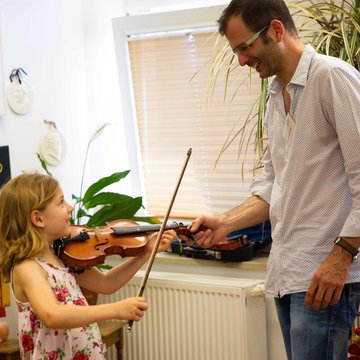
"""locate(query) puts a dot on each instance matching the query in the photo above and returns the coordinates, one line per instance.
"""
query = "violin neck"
(130, 230)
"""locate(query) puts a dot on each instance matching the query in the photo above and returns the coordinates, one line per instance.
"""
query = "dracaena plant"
(95, 207)
(332, 27)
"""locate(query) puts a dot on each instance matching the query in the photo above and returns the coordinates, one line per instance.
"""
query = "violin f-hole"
(98, 246)
(98, 236)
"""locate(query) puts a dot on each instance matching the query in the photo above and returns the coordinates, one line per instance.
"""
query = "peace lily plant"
(95, 207)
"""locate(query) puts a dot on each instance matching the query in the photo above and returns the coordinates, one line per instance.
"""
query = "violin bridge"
(97, 231)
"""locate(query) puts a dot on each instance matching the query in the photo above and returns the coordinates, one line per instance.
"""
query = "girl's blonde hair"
(19, 237)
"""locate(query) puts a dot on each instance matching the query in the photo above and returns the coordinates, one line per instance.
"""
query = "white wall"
(67, 49)
(45, 39)
(109, 153)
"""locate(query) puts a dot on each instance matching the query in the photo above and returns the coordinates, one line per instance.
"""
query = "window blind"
(175, 111)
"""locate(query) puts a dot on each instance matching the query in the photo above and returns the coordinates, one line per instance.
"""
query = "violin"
(232, 243)
(86, 247)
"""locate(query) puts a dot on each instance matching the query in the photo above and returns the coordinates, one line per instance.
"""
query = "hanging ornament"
(52, 145)
(19, 95)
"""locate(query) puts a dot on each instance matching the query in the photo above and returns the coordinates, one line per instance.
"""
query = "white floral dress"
(38, 342)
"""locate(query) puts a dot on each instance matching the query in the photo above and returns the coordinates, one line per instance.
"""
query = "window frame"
(147, 23)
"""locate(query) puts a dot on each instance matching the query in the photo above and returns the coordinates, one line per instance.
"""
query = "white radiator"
(196, 317)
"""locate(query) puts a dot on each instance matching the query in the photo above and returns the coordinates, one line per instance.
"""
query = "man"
(310, 187)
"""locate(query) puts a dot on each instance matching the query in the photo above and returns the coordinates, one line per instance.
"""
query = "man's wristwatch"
(347, 246)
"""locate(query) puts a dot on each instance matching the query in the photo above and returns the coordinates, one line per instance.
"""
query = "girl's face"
(55, 218)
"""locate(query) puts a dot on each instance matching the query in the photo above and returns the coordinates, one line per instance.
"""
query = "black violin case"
(240, 245)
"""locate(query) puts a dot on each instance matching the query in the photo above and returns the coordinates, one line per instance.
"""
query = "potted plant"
(96, 207)
(331, 26)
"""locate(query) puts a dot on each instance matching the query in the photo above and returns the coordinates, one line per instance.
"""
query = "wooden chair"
(112, 334)
(9, 349)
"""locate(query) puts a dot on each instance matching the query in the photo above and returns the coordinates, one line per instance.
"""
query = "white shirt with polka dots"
(311, 176)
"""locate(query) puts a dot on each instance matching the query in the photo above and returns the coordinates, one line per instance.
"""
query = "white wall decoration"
(52, 145)
(19, 94)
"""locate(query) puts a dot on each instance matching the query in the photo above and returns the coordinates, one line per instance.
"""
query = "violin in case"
(239, 245)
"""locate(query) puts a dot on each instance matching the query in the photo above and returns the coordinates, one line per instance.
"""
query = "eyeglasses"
(240, 49)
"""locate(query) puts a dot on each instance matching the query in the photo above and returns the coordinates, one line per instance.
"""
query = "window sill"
(256, 263)
(171, 262)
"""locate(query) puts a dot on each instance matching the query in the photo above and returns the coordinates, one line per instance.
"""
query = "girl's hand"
(168, 237)
(130, 309)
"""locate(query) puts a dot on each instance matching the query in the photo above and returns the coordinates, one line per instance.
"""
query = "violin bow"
(158, 239)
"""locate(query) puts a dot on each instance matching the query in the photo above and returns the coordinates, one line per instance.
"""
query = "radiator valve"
(258, 290)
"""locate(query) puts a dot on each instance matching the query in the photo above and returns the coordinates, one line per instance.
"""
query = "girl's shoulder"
(24, 273)
(25, 268)
(26, 264)
(34, 265)
(50, 266)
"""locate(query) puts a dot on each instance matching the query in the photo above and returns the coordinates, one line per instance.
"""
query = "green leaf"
(104, 267)
(81, 213)
(74, 197)
(125, 210)
(148, 219)
(43, 164)
(76, 216)
(102, 183)
(107, 198)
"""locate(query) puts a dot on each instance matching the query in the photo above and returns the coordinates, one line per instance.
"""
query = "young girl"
(55, 321)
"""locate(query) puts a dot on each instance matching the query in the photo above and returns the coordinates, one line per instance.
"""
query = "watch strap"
(347, 246)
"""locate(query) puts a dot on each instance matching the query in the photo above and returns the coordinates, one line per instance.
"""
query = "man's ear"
(276, 30)
(37, 219)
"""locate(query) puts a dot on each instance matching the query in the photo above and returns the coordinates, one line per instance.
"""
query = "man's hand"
(209, 230)
(328, 281)
(215, 230)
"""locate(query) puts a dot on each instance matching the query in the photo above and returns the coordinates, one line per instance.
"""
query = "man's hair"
(257, 14)
(19, 237)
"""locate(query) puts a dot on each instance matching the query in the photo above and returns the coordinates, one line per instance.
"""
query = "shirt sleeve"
(262, 186)
(344, 111)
